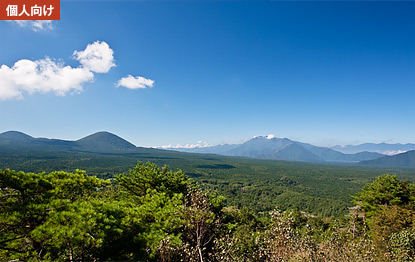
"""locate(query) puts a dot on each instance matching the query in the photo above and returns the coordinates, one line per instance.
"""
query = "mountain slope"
(18, 140)
(104, 141)
(284, 149)
(406, 159)
(101, 141)
(260, 147)
(11, 137)
(297, 153)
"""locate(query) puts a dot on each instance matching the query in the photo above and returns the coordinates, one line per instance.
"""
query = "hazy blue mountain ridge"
(258, 147)
(331, 155)
(382, 148)
(284, 149)
(297, 153)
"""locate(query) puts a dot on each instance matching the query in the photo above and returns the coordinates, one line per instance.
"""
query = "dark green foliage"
(87, 230)
(27, 200)
(386, 190)
(149, 176)
(153, 214)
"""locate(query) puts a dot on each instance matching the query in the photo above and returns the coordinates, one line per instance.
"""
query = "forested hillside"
(320, 189)
(153, 214)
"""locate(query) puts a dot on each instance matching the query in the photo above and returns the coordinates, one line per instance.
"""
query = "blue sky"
(320, 72)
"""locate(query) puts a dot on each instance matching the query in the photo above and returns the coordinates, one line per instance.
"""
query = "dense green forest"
(259, 185)
(153, 214)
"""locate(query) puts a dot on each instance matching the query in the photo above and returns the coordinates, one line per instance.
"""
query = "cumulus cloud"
(137, 82)
(97, 57)
(35, 25)
(41, 76)
(49, 75)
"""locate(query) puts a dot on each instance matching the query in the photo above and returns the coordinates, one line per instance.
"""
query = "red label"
(30, 10)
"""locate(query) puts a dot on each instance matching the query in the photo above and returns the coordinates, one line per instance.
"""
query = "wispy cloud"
(35, 25)
(392, 152)
(137, 82)
(50, 75)
(199, 144)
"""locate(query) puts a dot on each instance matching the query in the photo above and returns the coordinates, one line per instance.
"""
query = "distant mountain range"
(17, 143)
(269, 147)
(382, 148)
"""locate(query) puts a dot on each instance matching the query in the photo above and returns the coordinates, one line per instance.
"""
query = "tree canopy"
(154, 214)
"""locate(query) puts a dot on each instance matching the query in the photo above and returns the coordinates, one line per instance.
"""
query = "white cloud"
(137, 82)
(48, 75)
(392, 152)
(35, 25)
(97, 57)
(41, 76)
(199, 144)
